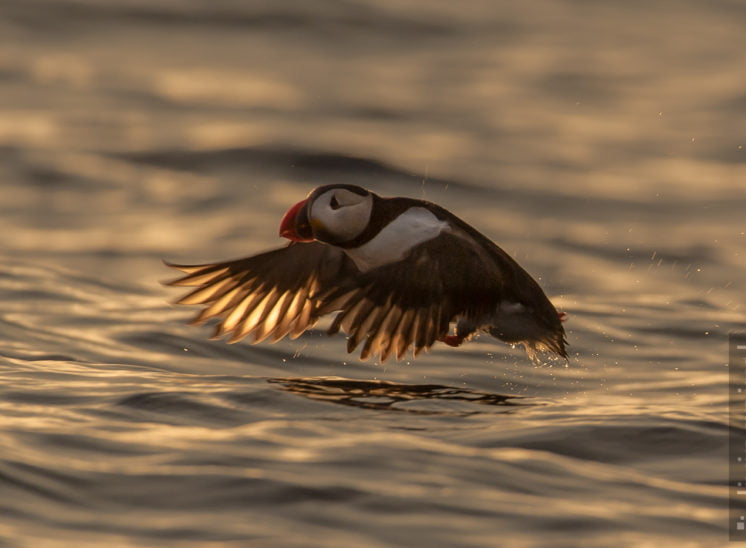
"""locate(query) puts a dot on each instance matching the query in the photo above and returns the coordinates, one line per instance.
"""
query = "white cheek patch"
(411, 228)
(344, 223)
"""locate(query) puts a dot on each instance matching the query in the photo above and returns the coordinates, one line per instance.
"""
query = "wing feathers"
(208, 293)
(208, 275)
(374, 330)
(405, 330)
(224, 302)
(283, 292)
(274, 294)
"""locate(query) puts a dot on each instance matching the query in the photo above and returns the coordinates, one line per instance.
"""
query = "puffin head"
(333, 214)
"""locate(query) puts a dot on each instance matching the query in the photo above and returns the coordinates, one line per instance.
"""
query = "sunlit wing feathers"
(270, 295)
(410, 304)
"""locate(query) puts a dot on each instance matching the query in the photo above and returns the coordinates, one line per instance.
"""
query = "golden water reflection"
(393, 396)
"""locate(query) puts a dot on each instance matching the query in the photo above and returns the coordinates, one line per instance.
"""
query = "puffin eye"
(334, 203)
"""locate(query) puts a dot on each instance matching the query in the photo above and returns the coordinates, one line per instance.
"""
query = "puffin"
(398, 273)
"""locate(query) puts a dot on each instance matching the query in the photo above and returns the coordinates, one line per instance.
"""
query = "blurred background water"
(600, 143)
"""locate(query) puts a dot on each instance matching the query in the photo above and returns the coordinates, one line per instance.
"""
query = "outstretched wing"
(412, 302)
(273, 294)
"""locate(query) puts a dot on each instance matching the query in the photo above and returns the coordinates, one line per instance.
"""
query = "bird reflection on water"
(392, 396)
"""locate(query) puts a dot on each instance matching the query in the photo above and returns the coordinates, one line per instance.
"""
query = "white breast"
(411, 228)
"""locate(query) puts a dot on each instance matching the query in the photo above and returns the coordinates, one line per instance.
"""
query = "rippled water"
(600, 143)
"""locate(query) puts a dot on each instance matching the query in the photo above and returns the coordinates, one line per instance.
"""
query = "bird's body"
(397, 271)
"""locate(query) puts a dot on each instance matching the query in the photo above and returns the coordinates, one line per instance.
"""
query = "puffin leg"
(562, 316)
(465, 328)
(452, 340)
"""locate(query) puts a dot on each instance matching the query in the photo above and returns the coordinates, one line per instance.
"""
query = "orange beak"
(295, 225)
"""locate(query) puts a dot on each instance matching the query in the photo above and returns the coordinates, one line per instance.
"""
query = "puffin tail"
(554, 342)
(535, 336)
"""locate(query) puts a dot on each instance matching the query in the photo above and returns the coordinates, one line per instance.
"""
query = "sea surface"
(602, 144)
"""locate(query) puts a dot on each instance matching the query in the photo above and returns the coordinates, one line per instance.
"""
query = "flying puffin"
(397, 272)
